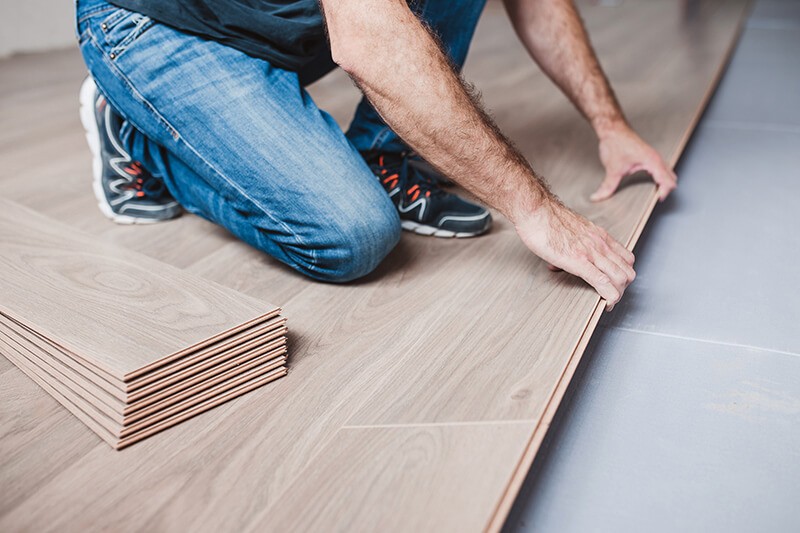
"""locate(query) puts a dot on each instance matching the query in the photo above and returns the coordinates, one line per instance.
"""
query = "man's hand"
(411, 84)
(553, 33)
(569, 242)
(624, 153)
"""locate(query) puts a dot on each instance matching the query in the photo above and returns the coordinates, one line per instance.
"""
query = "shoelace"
(145, 185)
(396, 170)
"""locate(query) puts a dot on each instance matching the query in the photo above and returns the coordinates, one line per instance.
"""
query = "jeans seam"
(136, 95)
(111, 20)
(141, 27)
(264, 211)
(84, 16)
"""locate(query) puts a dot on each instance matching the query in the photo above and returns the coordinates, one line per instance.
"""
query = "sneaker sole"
(93, 139)
(432, 231)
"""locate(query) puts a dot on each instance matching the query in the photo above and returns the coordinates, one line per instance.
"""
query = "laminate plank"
(28, 418)
(84, 290)
(184, 368)
(121, 437)
(122, 413)
(553, 305)
(139, 420)
(406, 478)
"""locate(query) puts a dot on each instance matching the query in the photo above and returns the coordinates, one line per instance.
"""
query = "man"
(209, 108)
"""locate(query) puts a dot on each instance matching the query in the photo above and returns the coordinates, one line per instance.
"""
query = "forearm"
(554, 35)
(407, 78)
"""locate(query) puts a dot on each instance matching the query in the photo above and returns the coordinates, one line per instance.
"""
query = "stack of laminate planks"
(129, 345)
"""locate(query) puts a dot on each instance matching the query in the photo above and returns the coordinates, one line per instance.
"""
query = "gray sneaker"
(126, 192)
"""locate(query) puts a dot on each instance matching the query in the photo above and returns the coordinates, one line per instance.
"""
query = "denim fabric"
(241, 143)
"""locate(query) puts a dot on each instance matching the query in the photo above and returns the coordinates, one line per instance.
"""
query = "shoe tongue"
(426, 183)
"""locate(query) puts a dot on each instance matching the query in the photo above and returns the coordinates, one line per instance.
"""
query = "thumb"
(607, 188)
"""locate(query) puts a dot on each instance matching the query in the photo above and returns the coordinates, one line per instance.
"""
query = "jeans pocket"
(122, 28)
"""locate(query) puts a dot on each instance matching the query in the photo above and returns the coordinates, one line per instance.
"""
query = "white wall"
(35, 25)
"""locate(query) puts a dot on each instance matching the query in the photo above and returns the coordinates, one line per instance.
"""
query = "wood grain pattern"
(411, 478)
(121, 413)
(75, 290)
(119, 437)
(491, 338)
(164, 379)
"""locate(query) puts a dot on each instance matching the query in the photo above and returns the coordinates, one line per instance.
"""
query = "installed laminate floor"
(431, 382)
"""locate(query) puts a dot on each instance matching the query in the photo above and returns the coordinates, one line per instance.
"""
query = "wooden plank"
(421, 478)
(176, 371)
(77, 292)
(119, 437)
(121, 413)
(163, 379)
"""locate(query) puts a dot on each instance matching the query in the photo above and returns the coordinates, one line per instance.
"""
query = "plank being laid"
(354, 346)
(77, 292)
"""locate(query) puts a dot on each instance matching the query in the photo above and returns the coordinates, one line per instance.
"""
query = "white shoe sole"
(93, 139)
(432, 231)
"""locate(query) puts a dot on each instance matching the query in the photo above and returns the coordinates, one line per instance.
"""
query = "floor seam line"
(705, 341)
(440, 424)
(772, 24)
(748, 125)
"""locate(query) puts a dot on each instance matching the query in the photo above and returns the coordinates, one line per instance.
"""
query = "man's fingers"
(620, 250)
(607, 188)
(626, 268)
(622, 257)
(606, 246)
(626, 255)
(601, 282)
(612, 270)
(666, 180)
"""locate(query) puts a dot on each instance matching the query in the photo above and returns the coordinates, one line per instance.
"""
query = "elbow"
(347, 57)
(347, 43)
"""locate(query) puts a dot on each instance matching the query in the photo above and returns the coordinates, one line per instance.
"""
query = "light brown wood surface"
(74, 290)
(158, 383)
(453, 355)
(114, 431)
(119, 413)
(87, 414)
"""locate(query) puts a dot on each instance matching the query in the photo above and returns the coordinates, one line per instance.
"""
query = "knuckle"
(583, 256)
(611, 296)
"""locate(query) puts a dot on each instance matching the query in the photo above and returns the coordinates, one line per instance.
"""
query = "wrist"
(528, 202)
(605, 127)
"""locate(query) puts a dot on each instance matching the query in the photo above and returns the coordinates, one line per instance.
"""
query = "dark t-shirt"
(287, 33)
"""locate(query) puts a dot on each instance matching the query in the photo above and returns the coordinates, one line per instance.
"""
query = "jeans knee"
(357, 246)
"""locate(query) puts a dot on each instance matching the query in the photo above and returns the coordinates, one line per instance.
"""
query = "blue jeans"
(241, 143)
